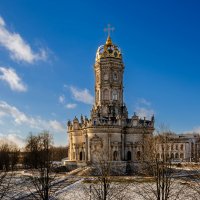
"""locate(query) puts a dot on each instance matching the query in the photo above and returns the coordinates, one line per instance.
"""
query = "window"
(181, 147)
(81, 156)
(129, 156)
(167, 155)
(106, 94)
(181, 155)
(138, 155)
(115, 155)
(115, 76)
(176, 155)
(114, 95)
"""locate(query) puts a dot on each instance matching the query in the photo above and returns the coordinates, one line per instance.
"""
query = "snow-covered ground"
(70, 187)
(77, 192)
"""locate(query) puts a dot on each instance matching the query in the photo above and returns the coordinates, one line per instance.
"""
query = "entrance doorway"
(129, 156)
(81, 155)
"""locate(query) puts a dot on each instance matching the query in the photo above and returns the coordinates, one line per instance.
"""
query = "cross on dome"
(109, 29)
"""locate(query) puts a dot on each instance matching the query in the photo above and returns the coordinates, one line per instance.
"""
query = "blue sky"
(47, 52)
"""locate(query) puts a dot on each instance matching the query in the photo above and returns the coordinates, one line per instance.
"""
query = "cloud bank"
(17, 47)
(12, 138)
(143, 108)
(20, 118)
(9, 76)
(82, 95)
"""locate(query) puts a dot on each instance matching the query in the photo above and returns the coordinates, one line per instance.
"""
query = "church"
(109, 130)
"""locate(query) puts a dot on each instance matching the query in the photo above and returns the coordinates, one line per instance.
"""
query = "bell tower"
(109, 70)
(109, 131)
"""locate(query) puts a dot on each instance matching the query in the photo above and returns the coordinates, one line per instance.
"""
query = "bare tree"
(193, 179)
(34, 149)
(106, 183)
(5, 183)
(156, 164)
(60, 152)
(8, 159)
(4, 156)
(43, 178)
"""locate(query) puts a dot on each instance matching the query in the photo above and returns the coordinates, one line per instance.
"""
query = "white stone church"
(109, 130)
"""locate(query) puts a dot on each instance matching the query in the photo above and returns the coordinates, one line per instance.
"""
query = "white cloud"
(8, 110)
(13, 138)
(12, 79)
(197, 129)
(68, 105)
(71, 106)
(55, 125)
(2, 114)
(143, 108)
(19, 49)
(144, 112)
(2, 23)
(20, 118)
(194, 130)
(83, 96)
(144, 102)
(61, 99)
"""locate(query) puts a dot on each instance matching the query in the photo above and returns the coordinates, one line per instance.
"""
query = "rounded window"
(114, 95)
(115, 77)
(115, 155)
(106, 94)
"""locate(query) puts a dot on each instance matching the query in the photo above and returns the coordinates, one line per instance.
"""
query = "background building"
(183, 147)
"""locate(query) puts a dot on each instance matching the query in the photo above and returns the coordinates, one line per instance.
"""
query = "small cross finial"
(109, 29)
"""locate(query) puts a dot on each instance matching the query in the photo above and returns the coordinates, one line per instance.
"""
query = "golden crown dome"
(108, 50)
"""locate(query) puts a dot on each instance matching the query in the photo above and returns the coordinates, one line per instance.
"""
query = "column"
(86, 147)
(109, 146)
(122, 146)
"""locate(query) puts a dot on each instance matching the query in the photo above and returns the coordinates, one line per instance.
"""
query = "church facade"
(109, 130)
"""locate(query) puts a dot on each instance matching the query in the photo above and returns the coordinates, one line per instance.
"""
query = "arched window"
(172, 156)
(115, 155)
(181, 147)
(114, 95)
(138, 155)
(167, 155)
(115, 77)
(129, 156)
(106, 94)
(176, 155)
(181, 155)
(81, 156)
